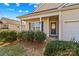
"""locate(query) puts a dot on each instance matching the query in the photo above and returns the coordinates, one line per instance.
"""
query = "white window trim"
(35, 25)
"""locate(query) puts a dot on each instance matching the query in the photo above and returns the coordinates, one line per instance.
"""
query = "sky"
(12, 10)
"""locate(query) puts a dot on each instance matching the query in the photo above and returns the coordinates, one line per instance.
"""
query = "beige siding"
(70, 24)
(13, 27)
(26, 26)
(70, 14)
(46, 26)
(1, 26)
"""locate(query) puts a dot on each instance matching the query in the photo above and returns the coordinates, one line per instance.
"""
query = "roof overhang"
(42, 15)
(47, 13)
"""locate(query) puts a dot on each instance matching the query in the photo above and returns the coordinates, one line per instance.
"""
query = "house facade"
(60, 20)
(9, 24)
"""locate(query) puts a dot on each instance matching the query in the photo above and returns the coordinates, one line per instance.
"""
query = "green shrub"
(39, 36)
(30, 36)
(8, 36)
(61, 48)
(26, 35)
(21, 35)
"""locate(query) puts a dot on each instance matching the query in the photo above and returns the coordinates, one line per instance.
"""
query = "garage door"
(71, 30)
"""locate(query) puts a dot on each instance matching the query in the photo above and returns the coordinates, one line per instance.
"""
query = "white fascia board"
(43, 15)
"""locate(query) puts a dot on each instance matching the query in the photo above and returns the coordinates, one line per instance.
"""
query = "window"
(5, 27)
(35, 26)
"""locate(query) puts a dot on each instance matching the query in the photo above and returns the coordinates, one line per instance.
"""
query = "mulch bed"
(34, 48)
(7, 43)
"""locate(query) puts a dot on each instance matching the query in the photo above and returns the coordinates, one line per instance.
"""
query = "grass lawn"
(13, 50)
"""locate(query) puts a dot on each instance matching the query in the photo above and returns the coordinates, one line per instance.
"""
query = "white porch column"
(48, 31)
(40, 23)
(60, 25)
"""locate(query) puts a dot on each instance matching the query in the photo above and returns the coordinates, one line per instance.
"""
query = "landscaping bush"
(26, 35)
(21, 35)
(39, 36)
(30, 36)
(8, 36)
(62, 48)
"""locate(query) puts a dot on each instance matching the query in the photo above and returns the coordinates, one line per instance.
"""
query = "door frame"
(55, 27)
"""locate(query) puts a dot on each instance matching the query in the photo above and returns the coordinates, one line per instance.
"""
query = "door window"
(53, 27)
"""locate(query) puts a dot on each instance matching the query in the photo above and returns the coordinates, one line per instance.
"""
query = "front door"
(53, 28)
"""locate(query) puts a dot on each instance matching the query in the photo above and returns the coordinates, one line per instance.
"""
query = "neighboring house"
(60, 20)
(9, 24)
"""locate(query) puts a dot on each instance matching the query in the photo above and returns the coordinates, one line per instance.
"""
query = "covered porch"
(50, 24)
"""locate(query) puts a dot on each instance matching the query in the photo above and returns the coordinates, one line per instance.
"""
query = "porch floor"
(53, 36)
